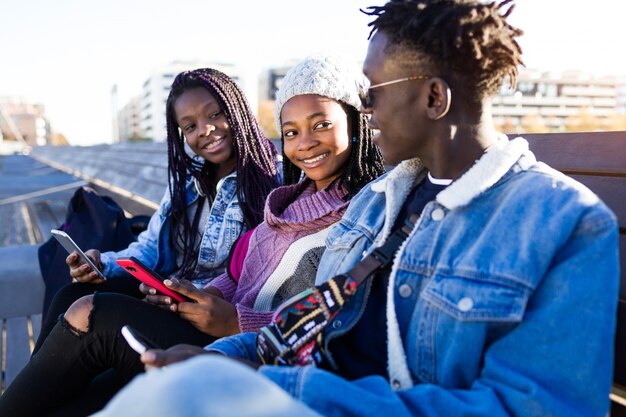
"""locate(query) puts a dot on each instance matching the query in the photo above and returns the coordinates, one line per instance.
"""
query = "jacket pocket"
(477, 299)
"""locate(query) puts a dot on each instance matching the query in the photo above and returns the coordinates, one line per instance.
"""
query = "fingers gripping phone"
(146, 275)
(137, 341)
(70, 246)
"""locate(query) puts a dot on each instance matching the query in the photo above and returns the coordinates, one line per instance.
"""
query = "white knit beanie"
(327, 76)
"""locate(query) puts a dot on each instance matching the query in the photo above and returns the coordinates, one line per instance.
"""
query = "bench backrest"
(598, 160)
(134, 173)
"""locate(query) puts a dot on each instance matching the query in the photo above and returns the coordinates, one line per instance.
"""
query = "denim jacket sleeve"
(146, 246)
(572, 311)
(242, 346)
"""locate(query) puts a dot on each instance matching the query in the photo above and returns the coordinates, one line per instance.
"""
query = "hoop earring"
(448, 102)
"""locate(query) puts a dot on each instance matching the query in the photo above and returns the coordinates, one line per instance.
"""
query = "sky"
(68, 54)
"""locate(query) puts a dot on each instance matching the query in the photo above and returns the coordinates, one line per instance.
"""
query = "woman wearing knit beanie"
(328, 157)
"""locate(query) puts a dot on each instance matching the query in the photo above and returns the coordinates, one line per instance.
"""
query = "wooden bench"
(33, 199)
(597, 160)
(134, 174)
(34, 194)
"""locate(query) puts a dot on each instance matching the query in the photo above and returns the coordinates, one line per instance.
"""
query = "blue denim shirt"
(223, 227)
(501, 302)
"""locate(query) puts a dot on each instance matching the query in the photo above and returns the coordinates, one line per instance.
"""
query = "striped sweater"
(283, 252)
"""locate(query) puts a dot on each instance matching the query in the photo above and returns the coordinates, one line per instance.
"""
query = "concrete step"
(21, 284)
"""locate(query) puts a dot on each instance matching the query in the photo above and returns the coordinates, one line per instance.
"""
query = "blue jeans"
(207, 385)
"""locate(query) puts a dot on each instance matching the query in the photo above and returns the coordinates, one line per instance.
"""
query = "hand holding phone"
(138, 342)
(149, 277)
(70, 246)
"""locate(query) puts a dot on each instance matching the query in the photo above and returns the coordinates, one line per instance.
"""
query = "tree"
(136, 138)
(266, 118)
(507, 126)
(616, 122)
(58, 139)
(584, 121)
(533, 123)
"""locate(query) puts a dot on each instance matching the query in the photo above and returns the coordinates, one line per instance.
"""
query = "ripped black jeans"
(69, 360)
(66, 296)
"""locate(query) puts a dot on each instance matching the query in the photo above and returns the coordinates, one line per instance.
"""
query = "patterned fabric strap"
(294, 337)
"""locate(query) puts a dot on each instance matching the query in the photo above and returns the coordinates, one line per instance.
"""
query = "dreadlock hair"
(469, 43)
(255, 155)
(365, 162)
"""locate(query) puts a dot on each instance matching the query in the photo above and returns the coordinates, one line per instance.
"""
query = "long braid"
(469, 42)
(255, 156)
(365, 162)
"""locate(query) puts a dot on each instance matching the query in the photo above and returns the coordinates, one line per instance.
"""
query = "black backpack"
(92, 221)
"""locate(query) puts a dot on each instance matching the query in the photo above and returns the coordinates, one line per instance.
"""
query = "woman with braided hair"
(213, 196)
(221, 168)
(329, 155)
(499, 296)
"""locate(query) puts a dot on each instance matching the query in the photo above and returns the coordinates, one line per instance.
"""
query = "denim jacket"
(223, 227)
(501, 301)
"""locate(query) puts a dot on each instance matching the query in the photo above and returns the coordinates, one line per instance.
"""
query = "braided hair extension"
(256, 168)
(365, 163)
(470, 43)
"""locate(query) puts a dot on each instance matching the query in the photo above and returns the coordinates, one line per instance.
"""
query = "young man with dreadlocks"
(500, 295)
(325, 138)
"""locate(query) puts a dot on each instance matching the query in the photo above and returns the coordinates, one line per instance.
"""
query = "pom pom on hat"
(327, 76)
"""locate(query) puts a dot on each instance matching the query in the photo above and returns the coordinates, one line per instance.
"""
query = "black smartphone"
(137, 341)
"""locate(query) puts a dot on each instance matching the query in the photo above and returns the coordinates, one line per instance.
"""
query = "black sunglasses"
(364, 92)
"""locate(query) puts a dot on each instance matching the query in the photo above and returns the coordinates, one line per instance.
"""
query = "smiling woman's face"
(205, 127)
(316, 137)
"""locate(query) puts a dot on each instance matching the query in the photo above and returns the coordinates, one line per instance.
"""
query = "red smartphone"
(146, 275)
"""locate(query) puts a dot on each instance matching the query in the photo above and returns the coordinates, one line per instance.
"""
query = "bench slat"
(17, 347)
(14, 225)
(597, 152)
(49, 214)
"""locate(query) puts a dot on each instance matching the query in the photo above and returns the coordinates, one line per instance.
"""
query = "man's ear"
(439, 98)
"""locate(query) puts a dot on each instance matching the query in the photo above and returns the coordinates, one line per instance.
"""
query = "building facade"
(541, 102)
(157, 87)
(569, 101)
(23, 124)
(129, 121)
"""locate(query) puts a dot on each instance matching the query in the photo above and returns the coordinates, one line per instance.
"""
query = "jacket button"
(405, 290)
(465, 304)
(337, 324)
(395, 384)
(437, 214)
